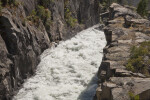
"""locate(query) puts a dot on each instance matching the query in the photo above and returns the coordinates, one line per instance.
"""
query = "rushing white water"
(67, 72)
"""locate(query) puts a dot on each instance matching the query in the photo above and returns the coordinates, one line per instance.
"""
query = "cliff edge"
(120, 76)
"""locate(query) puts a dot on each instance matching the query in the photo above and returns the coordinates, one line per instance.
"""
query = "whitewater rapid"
(68, 71)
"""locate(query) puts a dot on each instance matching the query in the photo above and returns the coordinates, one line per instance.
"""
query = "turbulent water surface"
(68, 71)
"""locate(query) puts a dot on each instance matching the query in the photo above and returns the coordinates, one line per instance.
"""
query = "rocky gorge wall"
(124, 29)
(22, 41)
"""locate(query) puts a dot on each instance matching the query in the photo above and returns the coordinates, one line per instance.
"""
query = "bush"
(33, 18)
(105, 3)
(15, 3)
(0, 7)
(47, 14)
(142, 8)
(69, 19)
(140, 59)
(41, 13)
(44, 3)
(10, 2)
(44, 14)
(134, 97)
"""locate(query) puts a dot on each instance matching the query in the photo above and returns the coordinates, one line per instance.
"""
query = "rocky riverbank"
(124, 29)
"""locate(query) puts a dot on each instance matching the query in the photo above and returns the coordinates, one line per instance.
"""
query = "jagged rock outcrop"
(22, 41)
(122, 32)
(21, 47)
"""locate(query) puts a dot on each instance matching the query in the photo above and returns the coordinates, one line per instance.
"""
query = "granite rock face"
(85, 11)
(21, 47)
(123, 30)
(21, 41)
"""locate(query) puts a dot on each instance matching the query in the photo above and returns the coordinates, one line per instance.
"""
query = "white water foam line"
(68, 71)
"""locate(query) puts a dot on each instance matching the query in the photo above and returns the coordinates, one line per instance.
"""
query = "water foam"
(67, 72)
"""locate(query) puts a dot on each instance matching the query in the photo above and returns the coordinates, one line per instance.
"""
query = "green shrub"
(142, 8)
(140, 58)
(48, 20)
(45, 15)
(0, 7)
(105, 3)
(69, 19)
(10, 2)
(44, 3)
(134, 97)
(33, 17)
(41, 13)
(15, 3)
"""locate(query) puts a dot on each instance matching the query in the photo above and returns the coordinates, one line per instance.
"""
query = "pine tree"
(119, 1)
(142, 8)
(0, 7)
(45, 3)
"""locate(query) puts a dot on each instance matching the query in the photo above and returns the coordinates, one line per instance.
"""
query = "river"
(68, 71)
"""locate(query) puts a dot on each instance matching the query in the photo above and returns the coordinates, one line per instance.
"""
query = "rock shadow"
(89, 92)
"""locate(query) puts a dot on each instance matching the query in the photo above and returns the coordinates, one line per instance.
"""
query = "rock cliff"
(124, 29)
(22, 41)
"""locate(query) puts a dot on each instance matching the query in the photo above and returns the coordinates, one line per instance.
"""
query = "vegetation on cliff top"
(140, 59)
(41, 12)
(142, 8)
(70, 20)
(0, 7)
(133, 97)
(9, 2)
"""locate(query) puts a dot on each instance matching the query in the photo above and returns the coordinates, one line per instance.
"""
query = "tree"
(41, 12)
(142, 8)
(0, 7)
(45, 3)
(119, 1)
